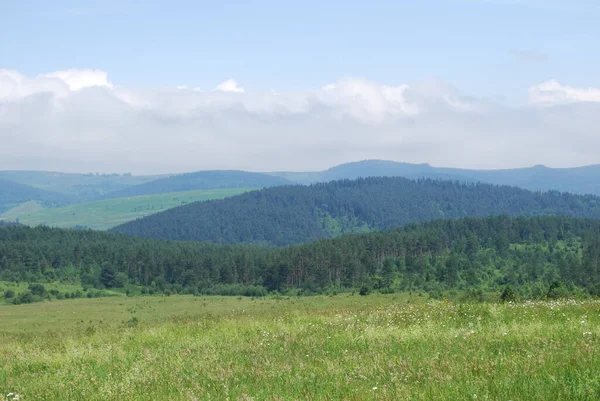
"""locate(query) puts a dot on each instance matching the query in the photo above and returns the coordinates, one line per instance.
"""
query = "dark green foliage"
(296, 214)
(9, 294)
(508, 294)
(37, 289)
(25, 298)
(108, 276)
(487, 254)
(8, 223)
(558, 290)
(364, 290)
(201, 180)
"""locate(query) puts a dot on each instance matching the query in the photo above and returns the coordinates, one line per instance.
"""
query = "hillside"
(539, 256)
(579, 180)
(12, 194)
(296, 214)
(218, 179)
(79, 187)
(104, 214)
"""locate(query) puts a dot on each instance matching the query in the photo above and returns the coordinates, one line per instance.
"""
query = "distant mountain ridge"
(578, 180)
(296, 214)
(215, 179)
(89, 187)
(79, 187)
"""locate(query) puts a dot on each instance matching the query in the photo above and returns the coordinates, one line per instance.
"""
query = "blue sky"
(107, 85)
(489, 48)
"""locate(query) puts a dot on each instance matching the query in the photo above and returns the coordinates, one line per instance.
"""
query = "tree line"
(530, 254)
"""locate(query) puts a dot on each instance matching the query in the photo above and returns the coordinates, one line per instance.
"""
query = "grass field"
(344, 347)
(102, 215)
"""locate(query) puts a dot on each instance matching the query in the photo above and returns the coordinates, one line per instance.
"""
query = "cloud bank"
(78, 120)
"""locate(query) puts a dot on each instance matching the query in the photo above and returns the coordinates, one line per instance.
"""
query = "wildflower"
(375, 388)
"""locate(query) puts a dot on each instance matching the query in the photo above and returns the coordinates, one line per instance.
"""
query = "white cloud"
(552, 92)
(79, 79)
(229, 85)
(80, 121)
(14, 85)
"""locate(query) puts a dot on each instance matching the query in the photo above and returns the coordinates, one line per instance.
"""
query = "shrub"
(37, 289)
(508, 294)
(558, 290)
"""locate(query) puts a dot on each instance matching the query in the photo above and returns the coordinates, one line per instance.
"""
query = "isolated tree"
(108, 276)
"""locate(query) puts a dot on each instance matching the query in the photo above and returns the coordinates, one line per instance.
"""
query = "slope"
(296, 214)
(81, 187)
(217, 179)
(12, 194)
(104, 214)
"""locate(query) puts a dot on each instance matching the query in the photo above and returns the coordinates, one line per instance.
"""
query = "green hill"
(105, 214)
(218, 179)
(297, 214)
(13, 194)
(80, 187)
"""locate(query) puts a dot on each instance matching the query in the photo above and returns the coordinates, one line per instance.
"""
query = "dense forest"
(297, 214)
(536, 256)
(200, 180)
(13, 193)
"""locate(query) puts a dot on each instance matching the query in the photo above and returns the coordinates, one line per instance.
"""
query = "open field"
(393, 347)
(102, 215)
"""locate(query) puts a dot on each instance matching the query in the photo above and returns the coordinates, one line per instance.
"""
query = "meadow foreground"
(392, 347)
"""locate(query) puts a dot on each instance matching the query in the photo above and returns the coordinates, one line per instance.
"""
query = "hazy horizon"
(151, 88)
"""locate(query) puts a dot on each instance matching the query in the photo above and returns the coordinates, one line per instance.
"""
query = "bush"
(26, 298)
(508, 294)
(37, 289)
(9, 294)
(558, 290)
(364, 290)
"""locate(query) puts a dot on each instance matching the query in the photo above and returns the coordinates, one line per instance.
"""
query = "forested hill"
(217, 179)
(12, 194)
(541, 256)
(296, 214)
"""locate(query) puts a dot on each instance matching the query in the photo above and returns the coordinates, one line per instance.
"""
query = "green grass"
(102, 215)
(319, 348)
(23, 209)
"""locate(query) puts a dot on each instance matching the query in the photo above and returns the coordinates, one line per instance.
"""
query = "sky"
(163, 87)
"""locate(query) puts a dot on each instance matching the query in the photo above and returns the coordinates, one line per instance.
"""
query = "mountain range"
(42, 197)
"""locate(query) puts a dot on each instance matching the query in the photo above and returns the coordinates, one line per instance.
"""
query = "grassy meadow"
(104, 214)
(343, 347)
